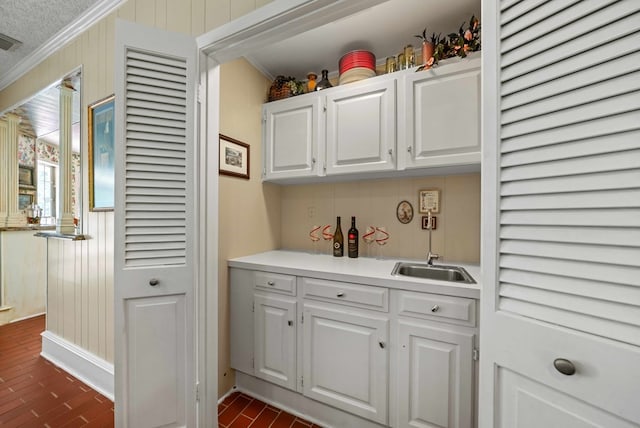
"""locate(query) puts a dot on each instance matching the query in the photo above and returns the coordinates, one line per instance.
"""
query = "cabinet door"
(275, 339)
(345, 360)
(293, 137)
(361, 127)
(435, 372)
(441, 116)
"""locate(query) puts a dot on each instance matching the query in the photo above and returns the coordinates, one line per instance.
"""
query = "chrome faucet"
(430, 256)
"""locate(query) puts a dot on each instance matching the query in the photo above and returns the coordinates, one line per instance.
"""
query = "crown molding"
(92, 15)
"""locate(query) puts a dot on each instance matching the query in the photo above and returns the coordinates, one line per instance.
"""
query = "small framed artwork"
(429, 201)
(234, 157)
(24, 200)
(404, 212)
(101, 154)
(425, 222)
(25, 177)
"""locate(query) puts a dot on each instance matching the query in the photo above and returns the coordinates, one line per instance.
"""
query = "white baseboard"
(299, 405)
(78, 362)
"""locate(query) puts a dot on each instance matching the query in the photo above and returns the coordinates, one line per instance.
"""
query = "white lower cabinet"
(275, 339)
(346, 360)
(352, 345)
(435, 373)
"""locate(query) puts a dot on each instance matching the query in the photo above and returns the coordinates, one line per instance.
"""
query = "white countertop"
(362, 270)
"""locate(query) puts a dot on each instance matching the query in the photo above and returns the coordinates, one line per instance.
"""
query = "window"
(47, 180)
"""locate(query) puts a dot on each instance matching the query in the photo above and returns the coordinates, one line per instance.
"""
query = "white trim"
(207, 228)
(228, 393)
(490, 186)
(276, 21)
(88, 368)
(57, 42)
(292, 402)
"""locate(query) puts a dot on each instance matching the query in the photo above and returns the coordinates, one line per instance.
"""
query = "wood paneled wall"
(80, 274)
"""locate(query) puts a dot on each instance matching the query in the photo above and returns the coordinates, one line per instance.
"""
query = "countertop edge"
(350, 270)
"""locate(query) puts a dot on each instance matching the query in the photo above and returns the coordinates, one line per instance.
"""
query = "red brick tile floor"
(239, 410)
(35, 393)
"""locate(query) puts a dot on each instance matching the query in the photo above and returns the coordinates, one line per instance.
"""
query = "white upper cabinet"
(361, 127)
(293, 135)
(427, 120)
(439, 123)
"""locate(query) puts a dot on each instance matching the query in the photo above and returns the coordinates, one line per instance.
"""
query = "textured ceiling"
(34, 22)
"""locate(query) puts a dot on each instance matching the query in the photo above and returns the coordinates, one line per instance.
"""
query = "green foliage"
(455, 44)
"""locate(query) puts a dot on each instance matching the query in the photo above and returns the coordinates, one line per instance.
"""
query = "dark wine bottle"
(324, 82)
(352, 240)
(338, 242)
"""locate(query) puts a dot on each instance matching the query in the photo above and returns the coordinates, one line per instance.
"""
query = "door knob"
(153, 282)
(435, 308)
(340, 294)
(564, 366)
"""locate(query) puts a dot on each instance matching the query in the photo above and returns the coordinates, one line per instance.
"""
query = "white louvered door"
(154, 225)
(561, 214)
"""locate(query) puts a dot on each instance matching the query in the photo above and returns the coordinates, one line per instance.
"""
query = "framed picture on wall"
(234, 157)
(24, 200)
(101, 154)
(25, 177)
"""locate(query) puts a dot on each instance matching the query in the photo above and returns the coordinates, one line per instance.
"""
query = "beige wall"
(374, 202)
(22, 274)
(80, 274)
(249, 210)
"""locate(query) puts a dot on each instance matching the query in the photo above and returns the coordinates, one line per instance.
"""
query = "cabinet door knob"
(564, 366)
(382, 344)
(409, 149)
(271, 283)
(340, 294)
(290, 322)
(435, 308)
(153, 282)
(313, 160)
(390, 152)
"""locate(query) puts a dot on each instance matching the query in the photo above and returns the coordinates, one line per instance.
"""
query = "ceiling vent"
(8, 44)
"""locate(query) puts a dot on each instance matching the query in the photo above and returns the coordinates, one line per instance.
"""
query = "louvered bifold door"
(567, 243)
(154, 219)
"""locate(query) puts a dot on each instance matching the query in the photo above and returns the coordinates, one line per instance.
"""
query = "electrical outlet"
(311, 212)
(425, 222)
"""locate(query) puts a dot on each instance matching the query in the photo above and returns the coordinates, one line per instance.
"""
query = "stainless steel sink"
(437, 272)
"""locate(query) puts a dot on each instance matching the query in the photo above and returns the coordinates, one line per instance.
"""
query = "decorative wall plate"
(404, 212)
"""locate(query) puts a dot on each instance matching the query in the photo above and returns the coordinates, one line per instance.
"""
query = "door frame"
(274, 22)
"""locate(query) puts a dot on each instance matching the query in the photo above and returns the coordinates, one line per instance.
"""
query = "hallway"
(35, 393)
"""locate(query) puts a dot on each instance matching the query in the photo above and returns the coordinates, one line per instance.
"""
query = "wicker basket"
(279, 92)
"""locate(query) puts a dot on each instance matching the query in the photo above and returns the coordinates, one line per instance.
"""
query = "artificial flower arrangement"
(455, 44)
(284, 87)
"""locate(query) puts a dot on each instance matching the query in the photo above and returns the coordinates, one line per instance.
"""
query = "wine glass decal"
(327, 235)
(382, 236)
(368, 237)
(314, 235)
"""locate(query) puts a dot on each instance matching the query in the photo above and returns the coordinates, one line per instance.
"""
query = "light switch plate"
(429, 201)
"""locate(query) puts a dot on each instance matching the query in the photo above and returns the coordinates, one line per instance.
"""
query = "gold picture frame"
(101, 120)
